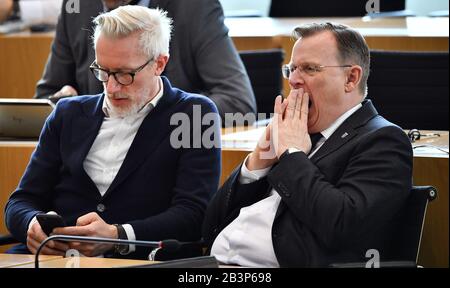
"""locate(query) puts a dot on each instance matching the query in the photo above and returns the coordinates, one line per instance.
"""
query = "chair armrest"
(7, 239)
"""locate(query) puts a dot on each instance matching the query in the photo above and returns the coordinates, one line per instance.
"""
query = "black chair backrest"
(410, 89)
(328, 8)
(407, 232)
(264, 70)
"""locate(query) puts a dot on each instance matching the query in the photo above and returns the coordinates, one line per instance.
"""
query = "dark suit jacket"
(328, 8)
(202, 57)
(336, 205)
(161, 191)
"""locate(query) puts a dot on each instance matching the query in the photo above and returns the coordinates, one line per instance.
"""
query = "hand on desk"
(91, 225)
(35, 236)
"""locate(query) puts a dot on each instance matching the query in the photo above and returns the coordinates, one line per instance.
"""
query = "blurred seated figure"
(31, 11)
(329, 8)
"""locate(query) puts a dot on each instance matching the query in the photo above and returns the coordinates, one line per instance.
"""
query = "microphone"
(170, 245)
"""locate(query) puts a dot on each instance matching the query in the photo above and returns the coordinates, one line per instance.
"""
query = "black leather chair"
(7, 240)
(411, 88)
(329, 8)
(404, 245)
(264, 70)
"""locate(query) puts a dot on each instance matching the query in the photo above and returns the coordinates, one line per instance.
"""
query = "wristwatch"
(289, 151)
(121, 249)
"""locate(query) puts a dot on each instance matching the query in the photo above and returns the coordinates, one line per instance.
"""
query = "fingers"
(278, 105)
(33, 246)
(298, 104)
(36, 236)
(88, 219)
(304, 110)
(87, 249)
(66, 91)
(73, 230)
(292, 98)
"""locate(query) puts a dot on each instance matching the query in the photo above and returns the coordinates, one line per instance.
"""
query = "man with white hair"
(106, 163)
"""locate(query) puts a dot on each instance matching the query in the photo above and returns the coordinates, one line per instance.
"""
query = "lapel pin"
(344, 135)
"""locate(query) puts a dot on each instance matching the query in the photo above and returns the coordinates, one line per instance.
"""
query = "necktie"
(314, 139)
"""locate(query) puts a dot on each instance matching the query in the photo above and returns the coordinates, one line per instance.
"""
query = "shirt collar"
(333, 127)
(147, 107)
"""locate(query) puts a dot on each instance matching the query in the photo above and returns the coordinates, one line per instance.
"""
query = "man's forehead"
(315, 47)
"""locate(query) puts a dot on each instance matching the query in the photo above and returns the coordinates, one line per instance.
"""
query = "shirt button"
(101, 208)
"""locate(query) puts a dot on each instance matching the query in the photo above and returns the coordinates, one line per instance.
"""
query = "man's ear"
(354, 76)
(161, 63)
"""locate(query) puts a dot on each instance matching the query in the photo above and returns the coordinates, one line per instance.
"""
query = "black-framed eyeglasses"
(123, 78)
(307, 68)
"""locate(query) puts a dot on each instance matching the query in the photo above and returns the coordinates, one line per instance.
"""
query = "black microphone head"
(170, 245)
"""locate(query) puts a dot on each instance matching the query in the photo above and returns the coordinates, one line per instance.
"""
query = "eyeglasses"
(123, 78)
(307, 68)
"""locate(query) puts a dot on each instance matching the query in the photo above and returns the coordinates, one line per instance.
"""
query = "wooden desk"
(86, 262)
(15, 260)
(23, 55)
(431, 167)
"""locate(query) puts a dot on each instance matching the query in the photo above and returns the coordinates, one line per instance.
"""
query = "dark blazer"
(203, 59)
(161, 191)
(336, 205)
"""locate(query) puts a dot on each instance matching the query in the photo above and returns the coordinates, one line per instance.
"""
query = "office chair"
(329, 8)
(411, 88)
(264, 70)
(7, 239)
(403, 247)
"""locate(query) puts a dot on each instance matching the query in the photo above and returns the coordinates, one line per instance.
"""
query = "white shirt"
(247, 241)
(40, 11)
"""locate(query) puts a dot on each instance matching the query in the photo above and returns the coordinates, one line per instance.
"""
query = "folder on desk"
(23, 119)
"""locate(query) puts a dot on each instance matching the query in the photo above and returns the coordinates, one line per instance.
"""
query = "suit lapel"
(152, 131)
(84, 130)
(346, 131)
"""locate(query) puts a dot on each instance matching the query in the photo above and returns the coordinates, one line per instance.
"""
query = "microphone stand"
(170, 244)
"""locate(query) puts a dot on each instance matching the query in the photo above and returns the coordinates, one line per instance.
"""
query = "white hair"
(154, 25)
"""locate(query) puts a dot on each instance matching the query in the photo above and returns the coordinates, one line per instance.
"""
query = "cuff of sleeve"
(248, 176)
(131, 236)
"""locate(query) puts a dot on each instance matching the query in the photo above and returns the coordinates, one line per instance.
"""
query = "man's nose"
(296, 80)
(112, 86)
